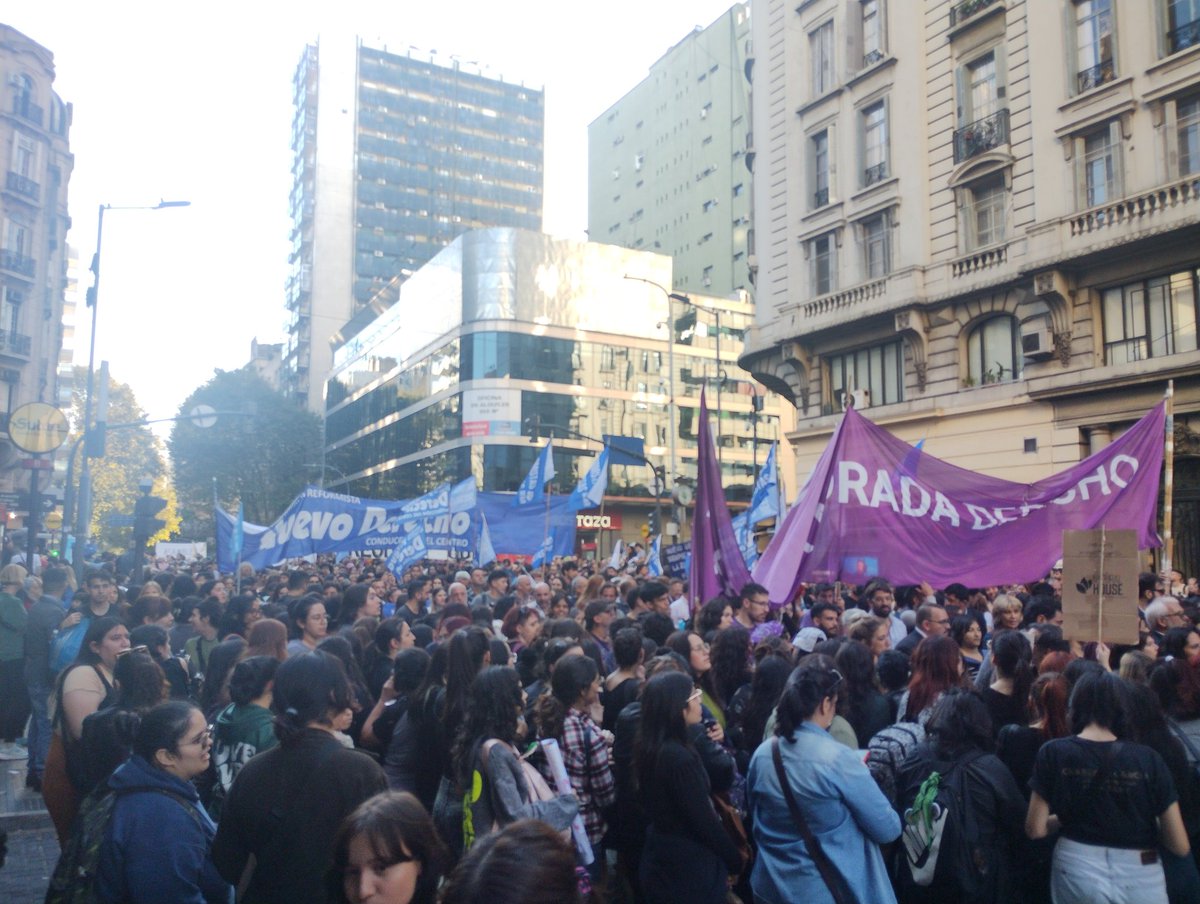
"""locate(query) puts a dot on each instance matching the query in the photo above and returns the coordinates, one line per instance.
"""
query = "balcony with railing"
(1133, 218)
(1095, 76)
(23, 186)
(1184, 36)
(980, 136)
(876, 173)
(960, 12)
(17, 263)
(15, 344)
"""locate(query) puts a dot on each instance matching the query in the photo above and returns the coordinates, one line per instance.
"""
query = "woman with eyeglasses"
(158, 843)
(687, 855)
(804, 783)
(310, 624)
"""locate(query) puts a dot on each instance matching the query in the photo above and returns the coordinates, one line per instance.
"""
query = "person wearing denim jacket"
(844, 808)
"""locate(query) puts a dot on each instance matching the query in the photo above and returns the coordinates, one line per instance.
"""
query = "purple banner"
(717, 564)
(876, 506)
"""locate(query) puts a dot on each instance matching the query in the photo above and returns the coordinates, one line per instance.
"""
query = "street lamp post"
(93, 297)
(671, 410)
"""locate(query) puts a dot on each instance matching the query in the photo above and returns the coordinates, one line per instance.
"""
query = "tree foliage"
(262, 454)
(132, 454)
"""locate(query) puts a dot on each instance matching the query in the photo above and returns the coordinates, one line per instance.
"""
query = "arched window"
(993, 351)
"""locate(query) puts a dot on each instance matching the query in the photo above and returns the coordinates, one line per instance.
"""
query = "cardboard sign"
(1090, 593)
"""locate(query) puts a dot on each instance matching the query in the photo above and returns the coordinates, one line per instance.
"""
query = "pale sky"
(193, 102)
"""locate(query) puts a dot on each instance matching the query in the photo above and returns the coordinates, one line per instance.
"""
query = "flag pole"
(1100, 612)
(1168, 481)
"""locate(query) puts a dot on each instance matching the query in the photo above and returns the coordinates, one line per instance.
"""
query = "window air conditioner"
(1037, 342)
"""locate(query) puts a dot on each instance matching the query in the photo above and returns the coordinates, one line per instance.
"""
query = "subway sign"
(596, 521)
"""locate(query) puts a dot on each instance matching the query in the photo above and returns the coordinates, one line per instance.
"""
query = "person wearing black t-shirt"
(1112, 802)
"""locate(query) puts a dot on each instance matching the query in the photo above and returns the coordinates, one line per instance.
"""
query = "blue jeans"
(39, 729)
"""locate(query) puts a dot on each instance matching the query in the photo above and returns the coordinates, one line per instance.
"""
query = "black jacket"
(285, 807)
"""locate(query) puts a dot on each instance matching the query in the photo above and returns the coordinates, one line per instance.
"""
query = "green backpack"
(74, 877)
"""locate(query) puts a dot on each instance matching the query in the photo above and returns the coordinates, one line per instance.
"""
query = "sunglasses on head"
(140, 648)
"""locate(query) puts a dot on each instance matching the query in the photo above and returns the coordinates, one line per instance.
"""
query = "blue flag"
(743, 529)
(410, 550)
(487, 552)
(653, 557)
(545, 551)
(765, 501)
(592, 486)
(533, 487)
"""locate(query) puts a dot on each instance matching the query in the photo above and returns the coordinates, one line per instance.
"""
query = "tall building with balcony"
(1010, 274)
(394, 157)
(37, 163)
(666, 163)
(507, 331)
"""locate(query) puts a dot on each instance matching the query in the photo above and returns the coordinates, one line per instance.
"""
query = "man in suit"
(931, 621)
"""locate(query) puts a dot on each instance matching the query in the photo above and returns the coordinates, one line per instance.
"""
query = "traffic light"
(655, 527)
(97, 437)
(145, 524)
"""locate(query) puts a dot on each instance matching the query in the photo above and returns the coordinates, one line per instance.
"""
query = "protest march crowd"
(579, 732)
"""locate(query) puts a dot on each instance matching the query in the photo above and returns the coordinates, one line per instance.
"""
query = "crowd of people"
(581, 732)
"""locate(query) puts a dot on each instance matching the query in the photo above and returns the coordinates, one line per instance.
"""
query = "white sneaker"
(13, 752)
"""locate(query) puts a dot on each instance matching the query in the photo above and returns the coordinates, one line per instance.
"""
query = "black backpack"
(940, 843)
(74, 877)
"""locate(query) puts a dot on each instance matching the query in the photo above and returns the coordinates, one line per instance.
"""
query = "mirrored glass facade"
(407, 409)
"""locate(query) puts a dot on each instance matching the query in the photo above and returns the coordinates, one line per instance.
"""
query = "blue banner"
(319, 521)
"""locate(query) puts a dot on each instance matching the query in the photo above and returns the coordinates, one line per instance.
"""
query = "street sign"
(15, 498)
(37, 427)
(53, 521)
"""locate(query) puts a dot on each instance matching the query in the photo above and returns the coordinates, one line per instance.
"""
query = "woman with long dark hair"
(833, 791)
(414, 759)
(286, 805)
(864, 705)
(1007, 697)
(387, 852)
(563, 715)
(239, 616)
(468, 651)
(687, 856)
(730, 654)
(214, 693)
(108, 733)
(309, 624)
(84, 687)
(1112, 801)
(501, 786)
(959, 748)
(692, 648)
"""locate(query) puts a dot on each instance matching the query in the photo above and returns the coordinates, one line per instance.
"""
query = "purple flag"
(868, 509)
(717, 564)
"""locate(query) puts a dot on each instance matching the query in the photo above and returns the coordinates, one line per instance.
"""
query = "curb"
(33, 819)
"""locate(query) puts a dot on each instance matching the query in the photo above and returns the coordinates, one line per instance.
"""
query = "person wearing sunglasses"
(158, 843)
(818, 816)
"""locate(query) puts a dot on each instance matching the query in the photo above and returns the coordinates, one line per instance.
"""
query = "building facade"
(1011, 275)
(666, 162)
(394, 157)
(509, 336)
(36, 158)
